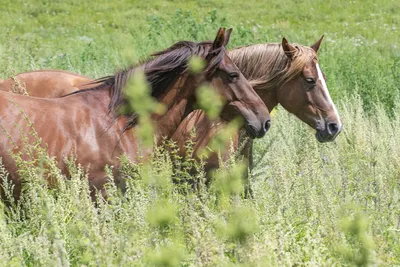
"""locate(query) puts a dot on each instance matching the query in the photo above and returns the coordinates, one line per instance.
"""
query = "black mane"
(161, 70)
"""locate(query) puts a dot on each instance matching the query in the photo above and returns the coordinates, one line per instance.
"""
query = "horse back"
(45, 83)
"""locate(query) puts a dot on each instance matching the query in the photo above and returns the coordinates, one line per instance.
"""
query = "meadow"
(335, 204)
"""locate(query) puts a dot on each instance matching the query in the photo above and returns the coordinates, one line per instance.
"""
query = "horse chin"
(324, 138)
(250, 131)
(319, 137)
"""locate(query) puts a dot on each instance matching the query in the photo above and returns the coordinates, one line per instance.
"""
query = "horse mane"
(162, 69)
(266, 66)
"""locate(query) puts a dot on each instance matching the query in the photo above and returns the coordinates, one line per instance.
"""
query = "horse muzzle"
(257, 132)
(329, 133)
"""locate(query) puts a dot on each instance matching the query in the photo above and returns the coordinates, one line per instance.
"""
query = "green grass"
(360, 54)
(315, 204)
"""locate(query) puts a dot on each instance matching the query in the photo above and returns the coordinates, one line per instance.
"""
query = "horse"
(280, 73)
(89, 125)
(285, 74)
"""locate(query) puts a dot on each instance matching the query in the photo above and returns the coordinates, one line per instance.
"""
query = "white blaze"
(328, 96)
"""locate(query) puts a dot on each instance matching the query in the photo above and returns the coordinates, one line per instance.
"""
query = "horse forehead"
(228, 64)
(311, 67)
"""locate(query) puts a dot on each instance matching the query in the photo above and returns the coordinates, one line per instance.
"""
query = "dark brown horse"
(88, 125)
(286, 74)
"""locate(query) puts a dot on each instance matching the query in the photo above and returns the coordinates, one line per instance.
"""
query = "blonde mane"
(266, 66)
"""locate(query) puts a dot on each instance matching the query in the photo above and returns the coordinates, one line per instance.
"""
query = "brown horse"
(88, 125)
(290, 75)
(286, 74)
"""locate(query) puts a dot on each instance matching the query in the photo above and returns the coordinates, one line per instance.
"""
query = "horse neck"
(269, 97)
(179, 100)
(96, 99)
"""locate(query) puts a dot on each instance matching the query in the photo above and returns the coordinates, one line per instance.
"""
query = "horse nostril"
(267, 125)
(333, 128)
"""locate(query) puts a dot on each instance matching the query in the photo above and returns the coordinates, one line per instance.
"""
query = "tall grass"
(314, 204)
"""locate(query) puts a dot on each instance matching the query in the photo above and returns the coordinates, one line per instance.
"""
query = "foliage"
(314, 204)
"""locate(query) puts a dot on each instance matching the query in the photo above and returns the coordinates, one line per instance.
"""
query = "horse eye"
(233, 75)
(310, 80)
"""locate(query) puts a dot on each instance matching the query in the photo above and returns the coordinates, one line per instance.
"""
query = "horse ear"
(288, 48)
(227, 36)
(315, 46)
(219, 40)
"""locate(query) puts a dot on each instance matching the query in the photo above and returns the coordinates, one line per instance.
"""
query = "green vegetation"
(314, 204)
(360, 53)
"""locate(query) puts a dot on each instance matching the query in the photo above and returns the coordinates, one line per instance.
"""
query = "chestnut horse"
(87, 123)
(286, 74)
